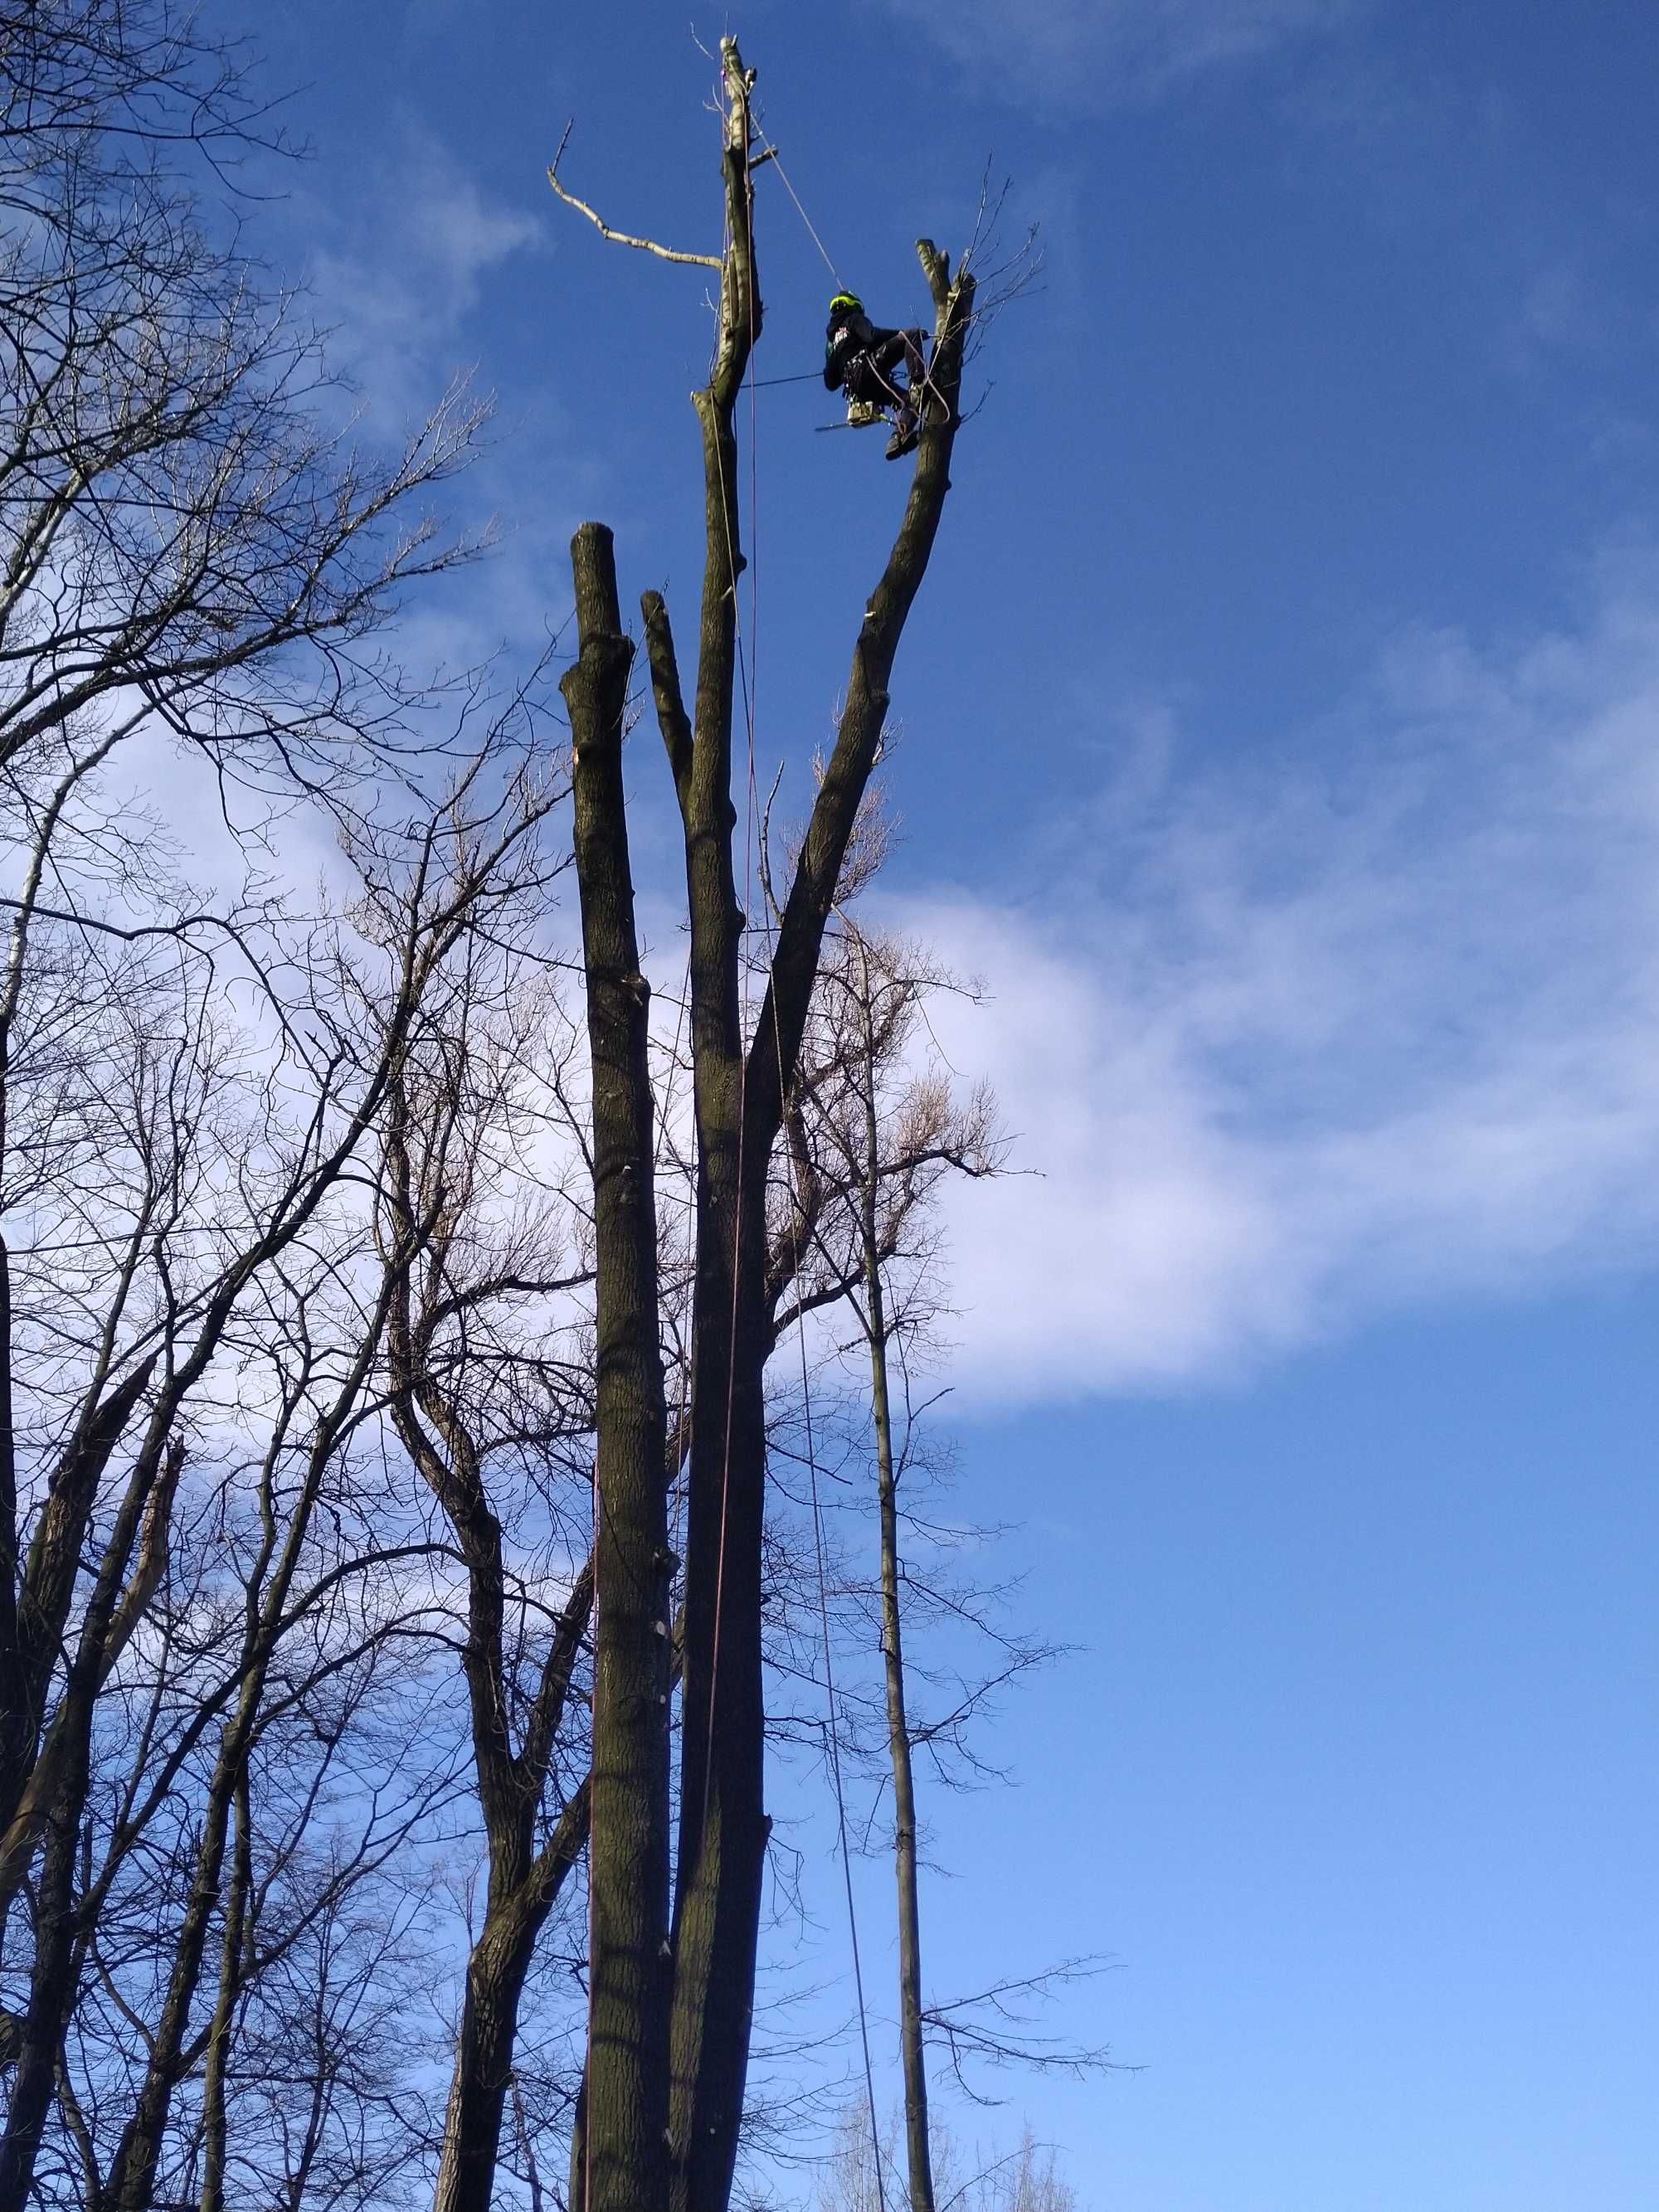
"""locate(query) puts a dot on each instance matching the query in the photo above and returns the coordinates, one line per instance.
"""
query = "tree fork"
(724, 1828)
(739, 1086)
(626, 2103)
(858, 736)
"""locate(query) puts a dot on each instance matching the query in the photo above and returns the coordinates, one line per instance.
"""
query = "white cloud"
(408, 275)
(1088, 53)
(401, 266)
(1297, 1042)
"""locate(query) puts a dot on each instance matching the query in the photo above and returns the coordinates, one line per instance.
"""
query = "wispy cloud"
(1296, 1044)
(1092, 53)
(397, 271)
(410, 273)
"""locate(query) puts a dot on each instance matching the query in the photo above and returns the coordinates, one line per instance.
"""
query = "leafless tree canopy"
(411, 1544)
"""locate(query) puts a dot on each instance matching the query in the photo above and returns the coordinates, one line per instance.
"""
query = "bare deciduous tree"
(872, 1137)
(1027, 2179)
(166, 1216)
(339, 1463)
(741, 1084)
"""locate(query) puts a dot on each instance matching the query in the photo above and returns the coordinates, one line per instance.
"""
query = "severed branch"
(622, 237)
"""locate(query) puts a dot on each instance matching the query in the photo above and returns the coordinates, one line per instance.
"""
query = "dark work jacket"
(851, 332)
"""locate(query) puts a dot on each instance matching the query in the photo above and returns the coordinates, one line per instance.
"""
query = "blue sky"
(1279, 746)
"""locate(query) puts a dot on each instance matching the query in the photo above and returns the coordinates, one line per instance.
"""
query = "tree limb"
(622, 237)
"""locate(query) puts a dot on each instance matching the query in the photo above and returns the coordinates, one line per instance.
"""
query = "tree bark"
(51, 1999)
(918, 2148)
(626, 2108)
(215, 2135)
(738, 1088)
(490, 2019)
(723, 1827)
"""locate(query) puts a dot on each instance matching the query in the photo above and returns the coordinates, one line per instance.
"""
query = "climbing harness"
(861, 414)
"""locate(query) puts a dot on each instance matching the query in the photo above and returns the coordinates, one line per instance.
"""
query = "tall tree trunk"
(495, 1973)
(892, 1644)
(723, 1827)
(51, 1998)
(627, 2112)
(232, 1967)
(738, 1089)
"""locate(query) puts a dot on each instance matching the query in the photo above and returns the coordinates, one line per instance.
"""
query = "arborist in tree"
(865, 361)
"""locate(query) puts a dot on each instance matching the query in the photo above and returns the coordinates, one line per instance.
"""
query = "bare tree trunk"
(495, 1975)
(899, 1731)
(51, 1998)
(723, 1827)
(739, 1086)
(214, 2144)
(626, 2108)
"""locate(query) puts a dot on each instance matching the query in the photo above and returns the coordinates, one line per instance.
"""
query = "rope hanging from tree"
(771, 154)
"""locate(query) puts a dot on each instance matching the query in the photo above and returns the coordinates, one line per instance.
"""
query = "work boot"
(906, 434)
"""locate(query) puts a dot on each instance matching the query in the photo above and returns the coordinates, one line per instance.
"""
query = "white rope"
(772, 155)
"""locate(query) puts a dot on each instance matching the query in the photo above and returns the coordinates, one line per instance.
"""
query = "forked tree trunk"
(739, 1086)
(723, 1827)
(496, 1972)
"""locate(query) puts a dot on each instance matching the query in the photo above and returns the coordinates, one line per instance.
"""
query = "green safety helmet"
(846, 300)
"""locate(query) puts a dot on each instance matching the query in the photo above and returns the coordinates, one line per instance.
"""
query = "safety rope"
(772, 155)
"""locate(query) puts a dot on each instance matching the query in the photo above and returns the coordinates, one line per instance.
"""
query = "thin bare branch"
(623, 237)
